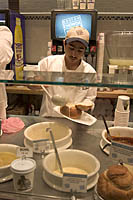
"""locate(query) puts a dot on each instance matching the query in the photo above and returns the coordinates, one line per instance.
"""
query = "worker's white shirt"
(6, 54)
(75, 94)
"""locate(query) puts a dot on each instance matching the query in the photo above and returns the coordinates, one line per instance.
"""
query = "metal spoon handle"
(45, 90)
(106, 126)
(56, 151)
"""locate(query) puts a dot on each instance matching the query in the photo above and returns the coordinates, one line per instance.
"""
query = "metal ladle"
(55, 149)
(56, 99)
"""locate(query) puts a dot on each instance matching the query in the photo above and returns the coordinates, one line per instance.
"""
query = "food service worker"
(75, 44)
(6, 54)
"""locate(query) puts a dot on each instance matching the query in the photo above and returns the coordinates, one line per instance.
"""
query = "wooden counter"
(23, 90)
(105, 94)
(114, 94)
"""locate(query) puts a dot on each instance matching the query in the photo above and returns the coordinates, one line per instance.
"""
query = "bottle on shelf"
(75, 4)
(90, 4)
(49, 48)
(82, 4)
(18, 48)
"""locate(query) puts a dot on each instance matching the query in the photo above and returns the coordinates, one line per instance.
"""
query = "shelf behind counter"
(101, 94)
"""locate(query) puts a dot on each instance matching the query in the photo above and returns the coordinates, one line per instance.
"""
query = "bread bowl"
(116, 183)
(70, 110)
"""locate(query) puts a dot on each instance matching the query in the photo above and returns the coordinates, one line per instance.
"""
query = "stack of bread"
(116, 183)
(75, 110)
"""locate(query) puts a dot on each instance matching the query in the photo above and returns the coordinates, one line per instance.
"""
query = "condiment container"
(122, 111)
(75, 4)
(23, 174)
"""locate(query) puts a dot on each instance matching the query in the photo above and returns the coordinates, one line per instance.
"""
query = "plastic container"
(119, 46)
(100, 54)
(23, 174)
(121, 118)
(123, 103)
(122, 111)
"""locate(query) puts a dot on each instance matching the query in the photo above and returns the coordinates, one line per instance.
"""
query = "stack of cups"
(122, 111)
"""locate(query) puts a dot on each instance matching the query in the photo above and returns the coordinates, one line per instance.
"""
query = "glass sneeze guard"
(68, 78)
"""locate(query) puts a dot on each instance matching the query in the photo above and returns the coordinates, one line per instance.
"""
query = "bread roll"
(70, 110)
(129, 167)
(116, 183)
(85, 106)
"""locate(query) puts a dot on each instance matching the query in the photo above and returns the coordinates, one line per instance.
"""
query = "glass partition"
(122, 80)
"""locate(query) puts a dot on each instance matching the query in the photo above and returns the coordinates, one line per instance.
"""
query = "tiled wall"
(38, 32)
(9, 4)
(114, 5)
(100, 5)
(36, 5)
(3, 4)
(112, 15)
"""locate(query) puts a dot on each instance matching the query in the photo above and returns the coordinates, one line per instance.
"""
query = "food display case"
(85, 137)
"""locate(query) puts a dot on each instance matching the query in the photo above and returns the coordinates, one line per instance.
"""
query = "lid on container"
(23, 165)
(124, 97)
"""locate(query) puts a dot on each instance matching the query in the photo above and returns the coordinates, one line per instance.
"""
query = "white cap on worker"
(77, 33)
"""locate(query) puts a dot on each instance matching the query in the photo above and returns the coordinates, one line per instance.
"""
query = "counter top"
(86, 138)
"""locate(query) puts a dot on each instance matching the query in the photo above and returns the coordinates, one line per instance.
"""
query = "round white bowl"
(62, 135)
(117, 131)
(70, 158)
(114, 131)
(5, 170)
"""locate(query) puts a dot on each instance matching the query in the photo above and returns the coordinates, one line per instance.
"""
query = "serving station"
(85, 138)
